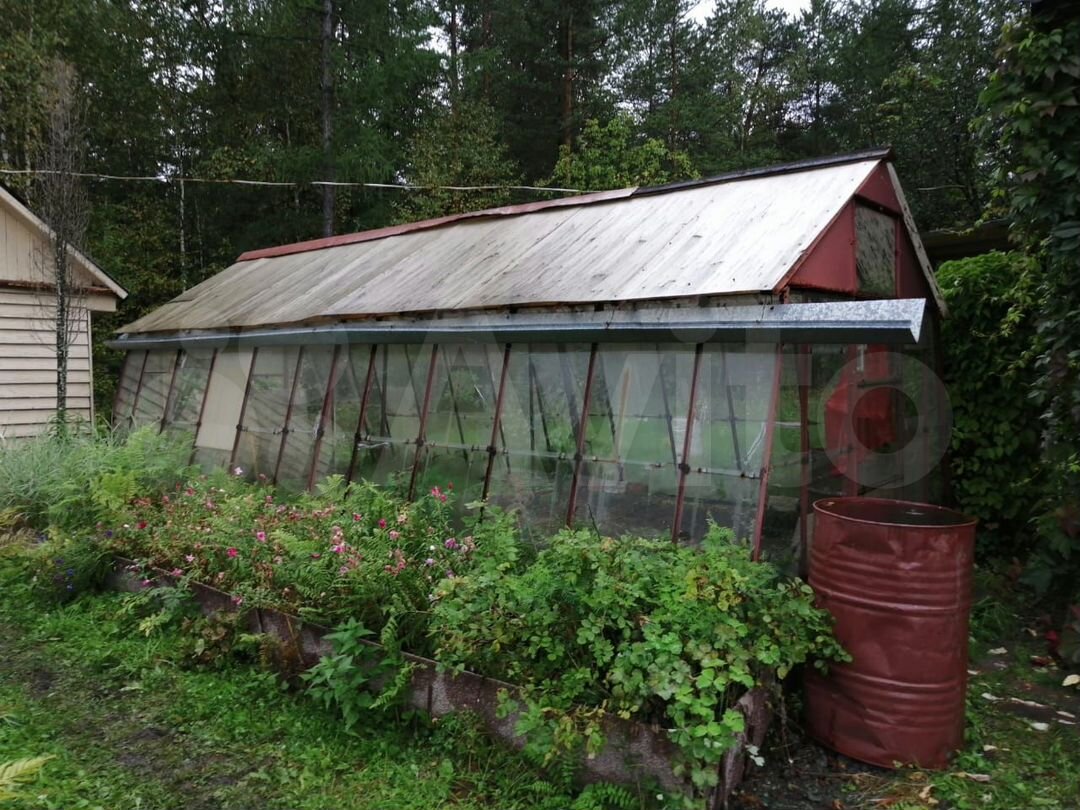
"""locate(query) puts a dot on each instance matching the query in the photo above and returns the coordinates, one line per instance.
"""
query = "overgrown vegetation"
(1033, 104)
(128, 721)
(591, 627)
(989, 368)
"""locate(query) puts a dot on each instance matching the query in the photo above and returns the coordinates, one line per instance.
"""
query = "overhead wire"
(165, 179)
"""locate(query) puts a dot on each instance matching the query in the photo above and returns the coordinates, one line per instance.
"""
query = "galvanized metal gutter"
(890, 321)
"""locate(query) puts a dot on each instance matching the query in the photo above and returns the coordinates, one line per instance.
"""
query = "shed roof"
(737, 233)
(14, 204)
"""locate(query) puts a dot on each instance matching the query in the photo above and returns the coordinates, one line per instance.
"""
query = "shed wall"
(28, 364)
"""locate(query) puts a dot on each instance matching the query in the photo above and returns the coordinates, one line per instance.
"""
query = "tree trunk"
(568, 82)
(327, 87)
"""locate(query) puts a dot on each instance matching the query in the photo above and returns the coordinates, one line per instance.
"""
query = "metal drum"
(896, 576)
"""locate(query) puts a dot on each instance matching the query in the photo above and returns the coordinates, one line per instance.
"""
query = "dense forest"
(193, 96)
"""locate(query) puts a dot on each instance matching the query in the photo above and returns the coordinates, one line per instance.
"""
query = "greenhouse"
(640, 361)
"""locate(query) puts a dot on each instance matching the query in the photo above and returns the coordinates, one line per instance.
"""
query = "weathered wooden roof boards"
(762, 231)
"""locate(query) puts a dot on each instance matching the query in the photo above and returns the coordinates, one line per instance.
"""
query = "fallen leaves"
(1072, 680)
(974, 777)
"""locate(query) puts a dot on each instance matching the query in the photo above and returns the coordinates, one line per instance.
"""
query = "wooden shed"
(27, 330)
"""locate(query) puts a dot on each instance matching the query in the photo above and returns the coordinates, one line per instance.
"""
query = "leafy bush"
(73, 481)
(65, 567)
(989, 370)
(640, 628)
(340, 553)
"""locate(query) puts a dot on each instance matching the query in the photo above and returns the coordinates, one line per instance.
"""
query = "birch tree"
(61, 202)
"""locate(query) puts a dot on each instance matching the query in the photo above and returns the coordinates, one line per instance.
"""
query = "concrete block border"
(633, 754)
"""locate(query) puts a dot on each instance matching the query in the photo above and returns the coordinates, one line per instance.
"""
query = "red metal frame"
(363, 413)
(169, 393)
(684, 466)
(138, 387)
(288, 413)
(496, 425)
(583, 428)
(243, 406)
(320, 430)
(202, 406)
(804, 367)
(422, 431)
(766, 457)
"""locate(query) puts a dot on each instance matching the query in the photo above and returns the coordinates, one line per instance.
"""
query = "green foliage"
(65, 567)
(128, 728)
(461, 147)
(75, 481)
(610, 156)
(989, 370)
(18, 772)
(1033, 116)
(349, 677)
(638, 628)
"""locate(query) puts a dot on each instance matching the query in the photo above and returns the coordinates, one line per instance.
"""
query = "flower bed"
(599, 635)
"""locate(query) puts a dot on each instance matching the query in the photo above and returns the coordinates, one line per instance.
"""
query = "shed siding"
(28, 365)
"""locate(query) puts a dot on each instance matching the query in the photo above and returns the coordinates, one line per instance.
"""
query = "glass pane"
(224, 397)
(727, 455)
(541, 412)
(392, 424)
(125, 392)
(735, 387)
(264, 413)
(875, 251)
(189, 387)
(156, 377)
(460, 418)
(308, 396)
(635, 433)
(726, 500)
(343, 411)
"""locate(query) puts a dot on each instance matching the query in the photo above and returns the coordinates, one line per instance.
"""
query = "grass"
(130, 727)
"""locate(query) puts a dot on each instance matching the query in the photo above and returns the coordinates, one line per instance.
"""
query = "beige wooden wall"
(28, 364)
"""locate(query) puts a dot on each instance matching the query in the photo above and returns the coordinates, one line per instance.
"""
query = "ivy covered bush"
(640, 628)
(989, 369)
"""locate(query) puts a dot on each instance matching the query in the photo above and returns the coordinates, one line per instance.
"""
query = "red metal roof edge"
(580, 199)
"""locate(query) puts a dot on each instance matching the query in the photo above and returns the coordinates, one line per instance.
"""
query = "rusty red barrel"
(896, 576)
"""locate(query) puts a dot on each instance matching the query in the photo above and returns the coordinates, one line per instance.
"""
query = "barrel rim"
(822, 506)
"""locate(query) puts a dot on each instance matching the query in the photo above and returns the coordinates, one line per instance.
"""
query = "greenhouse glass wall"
(642, 361)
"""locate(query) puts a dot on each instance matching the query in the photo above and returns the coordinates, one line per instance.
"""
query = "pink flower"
(238, 600)
(189, 558)
(232, 552)
(438, 494)
(238, 471)
(260, 536)
(394, 535)
(145, 583)
(338, 549)
(316, 555)
(357, 517)
(382, 523)
(141, 524)
(430, 561)
(176, 572)
(451, 543)
(343, 570)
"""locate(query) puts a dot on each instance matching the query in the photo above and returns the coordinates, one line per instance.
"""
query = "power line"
(288, 184)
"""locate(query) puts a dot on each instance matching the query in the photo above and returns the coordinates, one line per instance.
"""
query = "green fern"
(18, 772)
